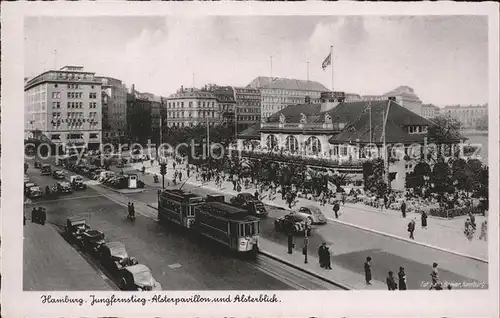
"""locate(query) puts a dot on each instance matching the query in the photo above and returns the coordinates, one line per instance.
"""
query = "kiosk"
(132, 181)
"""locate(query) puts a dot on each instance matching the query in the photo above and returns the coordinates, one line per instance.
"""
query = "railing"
(334, 126)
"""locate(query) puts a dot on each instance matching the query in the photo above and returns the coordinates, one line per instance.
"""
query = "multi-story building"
(226, 102)
(468, 116)
(278, 93)
(65, 106)
(248, 110)
(190, 107)
(139, 121)
(430, 111)
(114, 109)
(405, 96)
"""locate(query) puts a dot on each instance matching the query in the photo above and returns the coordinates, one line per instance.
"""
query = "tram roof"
(228, 211)
(179, 193)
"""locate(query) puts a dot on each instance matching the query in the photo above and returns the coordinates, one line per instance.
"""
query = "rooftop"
(287, 84)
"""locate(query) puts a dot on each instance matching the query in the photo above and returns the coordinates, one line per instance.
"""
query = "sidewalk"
(440, 234)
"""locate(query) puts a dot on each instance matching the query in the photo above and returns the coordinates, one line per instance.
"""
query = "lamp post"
(306, 242)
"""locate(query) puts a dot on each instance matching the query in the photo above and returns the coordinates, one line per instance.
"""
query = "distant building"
(139, 119)
(65, 107)
(190, 107)
(226, 102)
(430, 111)
(404, 95)
(278, 93)
(248, 109)
(468, 116)
(114, 109)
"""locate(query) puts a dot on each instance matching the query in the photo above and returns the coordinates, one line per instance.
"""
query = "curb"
(276, 258)
(396, 237)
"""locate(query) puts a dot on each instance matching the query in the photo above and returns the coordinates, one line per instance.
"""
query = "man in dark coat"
(327, 258)
(403, 209)
(321, 254)
(290, 242)
(423, 220)
(411, 228)
(402, 278)
(336, 208)
(368, 270)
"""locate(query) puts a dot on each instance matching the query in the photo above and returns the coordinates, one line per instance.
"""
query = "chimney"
(330, 100)
(133, 89)
(182, 88)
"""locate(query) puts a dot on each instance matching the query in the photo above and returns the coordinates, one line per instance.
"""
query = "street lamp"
(306, 243)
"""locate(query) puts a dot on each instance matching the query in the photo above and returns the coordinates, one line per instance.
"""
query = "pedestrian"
(469, 230)
(423, 220)
(336, 208)
(402, 278)
(343, 198)
(391, 283)
(256, 195)
(434, 276)
(411, 228)
(328, 262)
(180, 176)
(33, 215)
(484, 230)
(403, 209)
(368, 270)
(290, 242)
(132, 209)
(386, 201)
(129, 208)
(321, 254)
(472, 220)
(188, 172)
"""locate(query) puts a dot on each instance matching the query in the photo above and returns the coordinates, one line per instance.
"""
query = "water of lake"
(480, 139)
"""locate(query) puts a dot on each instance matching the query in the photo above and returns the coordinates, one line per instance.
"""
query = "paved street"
(178, 262)
(350, 247)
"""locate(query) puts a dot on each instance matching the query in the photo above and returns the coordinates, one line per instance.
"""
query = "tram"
(212, 218)
(177, 206)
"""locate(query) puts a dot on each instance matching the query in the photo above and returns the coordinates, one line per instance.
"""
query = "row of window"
(250, 118)
(74, 136)
(417, 129)
(291, 93)
(190, 115)
(202, 104)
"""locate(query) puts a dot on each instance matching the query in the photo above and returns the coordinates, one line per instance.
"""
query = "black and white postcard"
(248, 160)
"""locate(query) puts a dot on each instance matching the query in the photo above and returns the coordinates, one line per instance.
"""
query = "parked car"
(77, 183)
(313, 213)
(293, 223)
(64, 187)
(138, 277)
(75, 227)
(58, 174)
(38, 164)
(46, 170)
(28, 185)
(92, 240)
(34, 192)
(114, 256)
(248, 202)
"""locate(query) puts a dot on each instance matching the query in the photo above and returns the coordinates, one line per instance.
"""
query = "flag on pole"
(327, 61)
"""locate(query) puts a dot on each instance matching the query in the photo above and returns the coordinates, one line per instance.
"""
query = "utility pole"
(331, 52)
(271, 57)
(308, 71)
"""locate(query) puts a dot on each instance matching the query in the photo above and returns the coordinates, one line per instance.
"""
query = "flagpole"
(308, 71)
(370, 109)
(331, 61)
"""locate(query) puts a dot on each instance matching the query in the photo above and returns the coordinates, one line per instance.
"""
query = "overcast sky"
(444, 59)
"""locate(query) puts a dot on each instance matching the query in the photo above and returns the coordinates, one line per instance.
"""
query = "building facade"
(248, 110)
(226, 102)
(114, 109)
(139, 128)
(404, 96)
(468, 116)
(430, 111)
(65, 106)
(278, 93)
(190, 107)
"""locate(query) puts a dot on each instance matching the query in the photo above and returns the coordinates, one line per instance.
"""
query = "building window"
(292, 144)
(272, 142)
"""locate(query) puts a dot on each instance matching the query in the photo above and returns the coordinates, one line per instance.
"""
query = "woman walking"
(402, 278)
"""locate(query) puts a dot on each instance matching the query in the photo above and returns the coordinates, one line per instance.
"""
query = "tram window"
(241, 230)
(234, 229)
(249, 230)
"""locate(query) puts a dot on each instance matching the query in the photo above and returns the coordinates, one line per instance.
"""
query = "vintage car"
(77, 183)
(34, 192)
(137, 277)
(75, 227)
(248, 202)
(46, 170)
(293, 223)
(28, 185)
(58, 174)
(38, 164)
(64, 187)
(92, 240)
(313, 213)
(114, 256)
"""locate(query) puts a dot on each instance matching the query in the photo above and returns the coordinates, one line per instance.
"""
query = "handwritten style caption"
(94, 300)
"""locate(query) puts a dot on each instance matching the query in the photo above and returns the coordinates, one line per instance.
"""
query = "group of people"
(470, 228)
(131, 210)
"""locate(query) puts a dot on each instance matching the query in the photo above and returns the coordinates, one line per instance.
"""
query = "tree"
(418, 178)
(373, 176)
(441, 178)
(482, 123)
